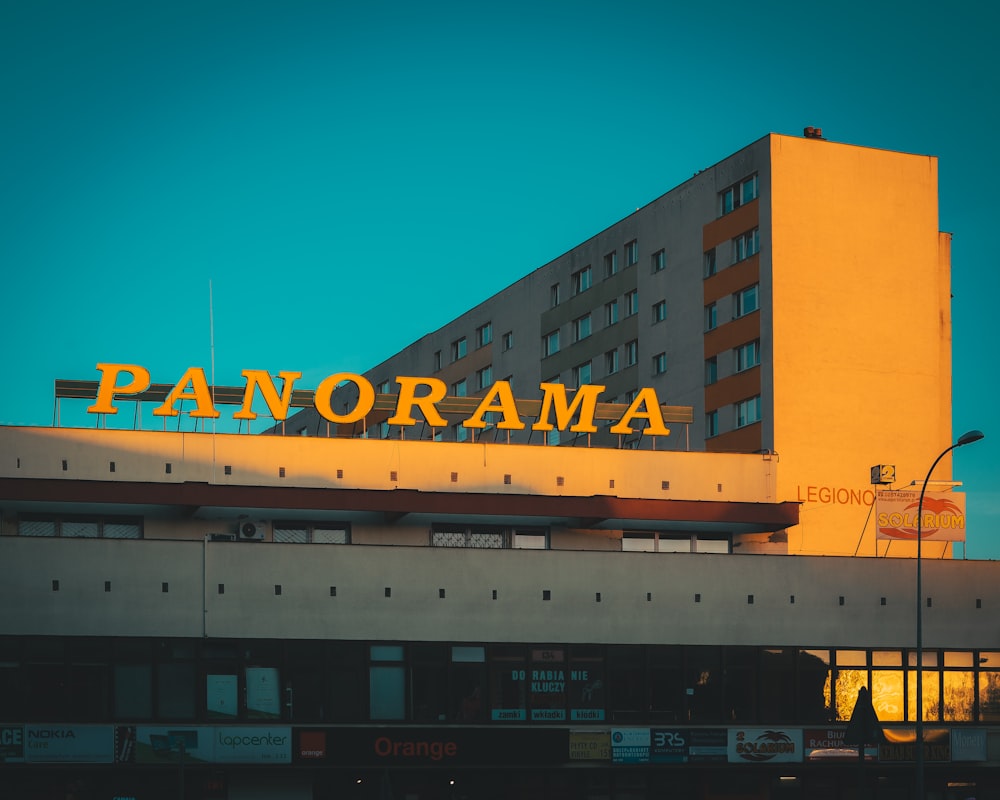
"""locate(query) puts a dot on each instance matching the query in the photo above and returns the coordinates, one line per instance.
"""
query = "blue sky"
(349, 177)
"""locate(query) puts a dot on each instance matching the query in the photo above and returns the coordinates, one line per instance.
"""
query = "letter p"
(108, 389)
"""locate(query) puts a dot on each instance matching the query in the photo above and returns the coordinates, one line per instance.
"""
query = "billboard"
(942, 516)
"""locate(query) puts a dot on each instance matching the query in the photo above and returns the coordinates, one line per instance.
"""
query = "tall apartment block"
(795, 297)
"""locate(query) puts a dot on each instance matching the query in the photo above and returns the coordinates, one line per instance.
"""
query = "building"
(796, 296)
(425, 599)
(230, 616)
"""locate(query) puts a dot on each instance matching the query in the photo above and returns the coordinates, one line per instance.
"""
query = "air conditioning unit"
(250, 530)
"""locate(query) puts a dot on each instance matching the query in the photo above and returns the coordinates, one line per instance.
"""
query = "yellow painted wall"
(854, 231)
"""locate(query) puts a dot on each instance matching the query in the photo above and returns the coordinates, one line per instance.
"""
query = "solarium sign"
(415, 393)
(942, 517)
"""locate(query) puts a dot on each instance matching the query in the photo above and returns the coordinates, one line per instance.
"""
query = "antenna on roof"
(211, 344)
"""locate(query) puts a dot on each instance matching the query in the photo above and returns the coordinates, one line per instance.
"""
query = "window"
(611, 264)
(460, 431)
(387, 683)
(484, 377)
(659, 260)
(484, 335)
(507, 341)
(747, 355)
(459, 388)
(632, 353)
(710, 267)
(550, 343)
(711, 370)
(581, 328)
(458, 348)
(748, 412)
(659, 311)
(659, 363)
(739, 194)
(611, 362)
(711, 317)
(632, 253)
(745, 301)
(581, 374)
(437, 360)
(711, 424)
(475, 536)
(531, 539)
(312, 532)
(554, 295)
(632, 303)
(610, 313)
(383, 388)
(746, 245)
(581, 280)
(81, 528)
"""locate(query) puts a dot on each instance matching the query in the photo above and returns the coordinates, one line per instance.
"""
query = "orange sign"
(124, 380)
(942, 517)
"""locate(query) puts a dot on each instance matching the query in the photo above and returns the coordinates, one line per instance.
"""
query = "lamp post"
(965, 438)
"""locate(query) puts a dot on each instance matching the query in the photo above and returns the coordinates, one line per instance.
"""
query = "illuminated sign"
(556, 410)
(942, 518)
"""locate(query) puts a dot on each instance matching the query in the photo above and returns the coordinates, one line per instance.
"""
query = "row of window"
(745, 412)
(582, 327)
(745, 301)
(583, 279)
(745, 356)
(97, 679)
(741, 248)
(739, 194)
(460, 347)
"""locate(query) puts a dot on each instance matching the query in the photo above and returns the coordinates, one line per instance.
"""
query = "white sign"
(942, 516)
(764, 745)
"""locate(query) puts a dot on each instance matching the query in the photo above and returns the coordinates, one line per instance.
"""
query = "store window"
(508, 671)
(386, 683)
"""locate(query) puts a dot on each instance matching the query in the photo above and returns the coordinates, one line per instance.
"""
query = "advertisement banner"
(257, 745)
(763, 746)
(263, 693)
(78, 744)
(968, 745)
(11, 744)
(669, 746)
(164, 745)
(707, 745)
(943, 517)
(589, 746)
(630, 745)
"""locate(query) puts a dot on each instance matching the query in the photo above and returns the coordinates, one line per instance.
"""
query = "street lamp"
(965, 438)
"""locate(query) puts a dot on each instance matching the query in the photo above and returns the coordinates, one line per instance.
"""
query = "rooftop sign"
(555, 411)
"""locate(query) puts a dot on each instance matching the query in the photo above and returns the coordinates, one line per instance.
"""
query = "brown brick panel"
(731, 334)
(742, 440)
(732, 389)
(730, 226)
(732, 279)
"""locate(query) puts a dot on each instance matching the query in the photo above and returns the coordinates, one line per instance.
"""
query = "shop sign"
(942, 516)
(253, 745)
(221, 745)
(586, 694)
(80, 744)
(414, 393)
(968, 745)
(156, 745)
(828, 744)
(900, 745)
(669, 745)
(707, 745)
(589, 746)
(312, 745)
(760, 745)
(630, 745)
(11, 744)
(432, 747)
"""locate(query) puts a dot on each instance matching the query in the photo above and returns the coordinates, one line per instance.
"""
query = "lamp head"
(969, 437)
